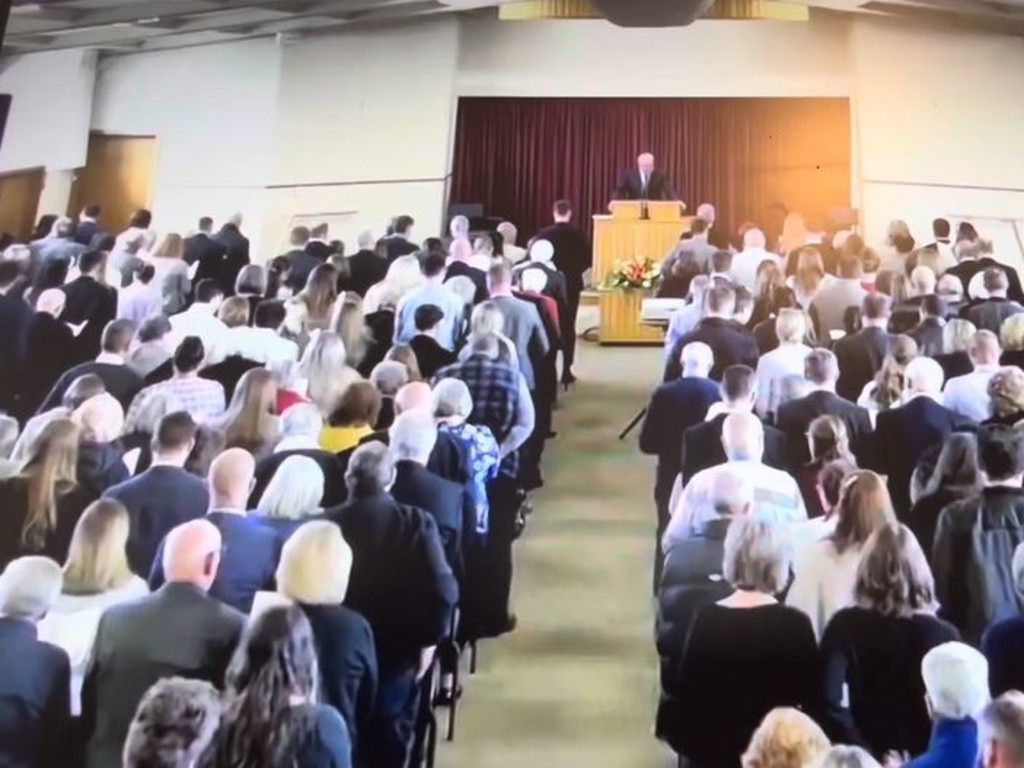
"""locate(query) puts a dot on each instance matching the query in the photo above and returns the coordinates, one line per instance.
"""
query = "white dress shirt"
(201, 320)
(138, 302)
(785, 360)
(261, 345)
(968, 394)
(823, 581)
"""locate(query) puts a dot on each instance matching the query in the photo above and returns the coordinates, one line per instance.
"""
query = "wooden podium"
(625, 235)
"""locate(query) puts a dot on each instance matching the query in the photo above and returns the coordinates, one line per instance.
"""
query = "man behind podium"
(644, 182)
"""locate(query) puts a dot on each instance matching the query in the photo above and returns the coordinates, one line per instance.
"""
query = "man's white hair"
(315, 565)
(301, 419)
(451, 397)
(696, 356)
(542, 251)
(29, 586)
(295, 491)
(388, 377)
(950, 286)
(706, 211)
(17, 252)
(924, 375)
(413, 436)
(956, 679)
(365, 240)
(463, 287)
(459, 227)
(508, 232)
(754, 238)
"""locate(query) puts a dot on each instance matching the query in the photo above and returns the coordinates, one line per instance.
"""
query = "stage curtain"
(753, 158)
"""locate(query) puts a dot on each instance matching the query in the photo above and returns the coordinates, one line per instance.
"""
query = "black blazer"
(966, 270)
(319, 250)
(214, 262)
(100, 466)
(478, 276)
(448, 503)
(366, 270)
(795, 417)
(94, 304)
(401, 582)
(731, 343)
(430, 356)
(398, 246)
(71, 503)
(300, 264)
(573, 254)
(860, 356)
(659, 187)
(49, 351)
(85, 231)
(702, 447)
(928, 335)
(334, 475)
(247, 564)
(35, 699)
(122, 383)
(348, 663)
(158, 500)
(15, 316)
(674, 408)
(238, 253)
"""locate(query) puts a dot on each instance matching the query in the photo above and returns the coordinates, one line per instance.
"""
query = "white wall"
(48, 125)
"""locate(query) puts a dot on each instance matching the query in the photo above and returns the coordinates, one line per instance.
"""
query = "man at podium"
(645, 182)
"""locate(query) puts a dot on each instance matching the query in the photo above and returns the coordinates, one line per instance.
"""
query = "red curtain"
(752, 158)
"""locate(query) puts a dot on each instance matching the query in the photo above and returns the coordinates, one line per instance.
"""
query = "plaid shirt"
(203, 399)
(494, 387)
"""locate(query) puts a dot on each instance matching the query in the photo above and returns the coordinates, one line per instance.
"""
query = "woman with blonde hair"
(403, 275)
(319, 296)
(349, 322)
(251, 285)
(487, 319)
(956, 340)
(828, 441)
(326, 371)
(402, 353)
(168, 259)
(1011, 334)
(889, 385)
(872, 650)
(250, 422)
(42, 503)
(794, 234)
(786, 738)
(1006, 392)
(96, 576)
(899, 244)
(826, 570)
(313, 572)
(293, 496)
(810, 276)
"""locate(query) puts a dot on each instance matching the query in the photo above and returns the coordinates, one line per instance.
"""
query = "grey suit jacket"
(523, 326)
(176, 631)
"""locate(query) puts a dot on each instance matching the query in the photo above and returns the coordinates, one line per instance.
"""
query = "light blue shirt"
(446, 300)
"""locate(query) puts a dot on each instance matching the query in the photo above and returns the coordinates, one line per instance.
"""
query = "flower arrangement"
(638, 272)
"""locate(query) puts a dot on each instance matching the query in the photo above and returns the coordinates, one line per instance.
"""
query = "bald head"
(743, 437)
(984, 349)
(415, 396)
(542, 251)
(461, 249)
(645, 162)
(697, 359)
(706, 212)
(230, 479)
(51, 301)
(192, 554)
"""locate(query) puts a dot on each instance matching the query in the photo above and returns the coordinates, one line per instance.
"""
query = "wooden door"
(19, 200)
(118, 176)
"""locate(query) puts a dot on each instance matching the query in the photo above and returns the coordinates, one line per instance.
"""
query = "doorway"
(19, 200)
(118, 176)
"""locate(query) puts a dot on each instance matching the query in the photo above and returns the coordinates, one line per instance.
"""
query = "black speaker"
(653, 13)
(5, 108)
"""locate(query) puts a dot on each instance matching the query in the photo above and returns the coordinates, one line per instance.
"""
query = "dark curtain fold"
(753, 158)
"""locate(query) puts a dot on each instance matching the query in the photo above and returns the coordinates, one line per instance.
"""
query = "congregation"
(839, 547)
(254, 514)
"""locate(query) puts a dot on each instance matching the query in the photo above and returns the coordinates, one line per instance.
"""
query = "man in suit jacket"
(111, 366)
(860, 355)
(522, 322)
(60, 244)
(231, 237)
(674, 408)
(459, 265)
(399, 243)
(541, 258)
(165, 495)
(903, 434)
(644, 182)
(835, 298)
(300, 263)
(15, 315)
(402, 584)
(928, 333)
(794, 418)
(91, 302)
(211, 256)
(250, 549)
(573, 257)
(731, 343)
(366, 268)
(973, 260)
(702, 444)
(430, 355)
(35, 678)
(318, 247)
(989, 314)
(178, 631)
(88, 226)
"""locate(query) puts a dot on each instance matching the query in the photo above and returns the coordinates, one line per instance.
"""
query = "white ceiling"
(135, 25)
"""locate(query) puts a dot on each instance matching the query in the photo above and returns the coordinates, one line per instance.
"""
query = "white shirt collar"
(297, 443)
(109, 358)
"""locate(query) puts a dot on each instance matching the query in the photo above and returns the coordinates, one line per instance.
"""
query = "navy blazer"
(366, 269)
(794, 419)
(247, 564)
(35, 699)
(159, 499)
(860, 355)
(15, 315)
(94, 304)
(674, 408)
(348, 663)
(731, 343)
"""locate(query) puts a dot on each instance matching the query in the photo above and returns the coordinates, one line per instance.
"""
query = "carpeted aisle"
(575, 685)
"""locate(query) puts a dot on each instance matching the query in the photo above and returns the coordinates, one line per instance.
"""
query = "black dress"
(71, 503)
(738, 665)
(877, 659)
(924, 516)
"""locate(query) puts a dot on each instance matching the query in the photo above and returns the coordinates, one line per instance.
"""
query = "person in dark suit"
(928, 333)
(903, 434)
(314, 572)
(430, 355)
(731, 343)
(318, 247)
(988, 315)
(299, 263)
(59, 244)
(860, 355)
(794, 418)
(702, 444)
(165, 495)
(573, 257)
(975, 259)
(413, 437)
(211, 255)
(402, 584)
(48, 351)
(35, 679)
(111, 366)
(231, 237)
(645, 182)
(674, 408)
(250, 549)
(91, 302)
(88, 226)
(15, 316)
(399, 242)
(179, 630)
(541, 258)
(366, 268)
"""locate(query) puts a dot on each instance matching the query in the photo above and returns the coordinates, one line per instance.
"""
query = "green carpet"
(575, 685)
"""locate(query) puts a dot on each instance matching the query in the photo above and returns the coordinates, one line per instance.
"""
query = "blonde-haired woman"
(889, 385)
(786, 738)
(809, 278)
(785, 360)
(349, 322)
(1011, 334)
(168, 259)
(250, 422)
(319, 295)
(42, 503)
(96, 576)
(325, 368)
(872, 650)
(292, 497)
(1006, 391)
(100, 457)
(403, 275)
(899, 244)
(956, 340)
(826, 570)
(794, 234)
(314, 572)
